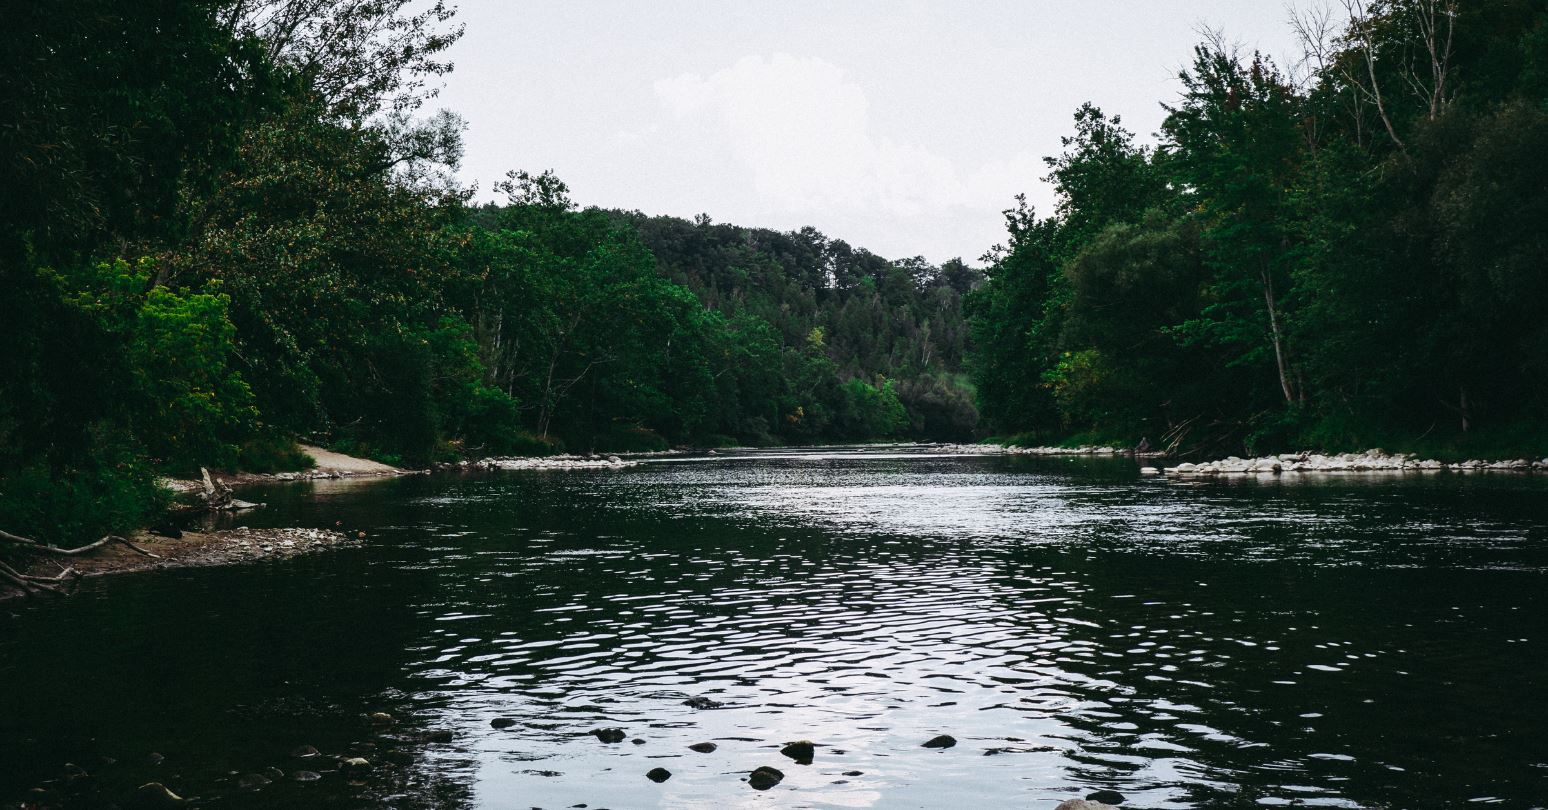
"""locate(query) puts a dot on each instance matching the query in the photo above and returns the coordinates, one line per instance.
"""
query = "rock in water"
(303, 752)
(155, 794)
(1106, 797)
(273, 772)
(440, 735)
(381, 719)
(943, 741)
(801, 751)
(1083, 804)
(355, 766)
(703, 748)
(765, 777)
(610, 735)
(253, 781)
(702, 702)
(502, 722)
(658, 775)
(306, 776)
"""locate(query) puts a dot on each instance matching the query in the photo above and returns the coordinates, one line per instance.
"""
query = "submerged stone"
(304, 752)
(610, 735)
(253, 781)
(801, 751)
(702, 702)
(765, 777)
(1105, 797)
(703, 747)
(306, 776)
(658, 775)
(942, 741)
(502, 722)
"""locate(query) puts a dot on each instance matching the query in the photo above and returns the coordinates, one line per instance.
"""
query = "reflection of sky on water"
(1074, 625)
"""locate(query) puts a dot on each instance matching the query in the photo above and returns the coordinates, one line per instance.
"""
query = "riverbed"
(1342, 641)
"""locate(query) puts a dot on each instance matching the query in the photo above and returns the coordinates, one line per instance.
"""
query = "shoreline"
(1044, 450)
(326, 465)
(201, 549)
(194, 549)
(1370, 461)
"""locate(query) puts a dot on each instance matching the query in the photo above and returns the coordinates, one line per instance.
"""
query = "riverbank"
(146, 550)
(326, 464)
(1370, 461)
(559, 462)
(151, 552)
(990, 448)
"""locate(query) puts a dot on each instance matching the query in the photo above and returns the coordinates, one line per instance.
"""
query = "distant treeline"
(1347, 252)
(226, 226)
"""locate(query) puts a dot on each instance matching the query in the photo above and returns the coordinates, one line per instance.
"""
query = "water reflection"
(1073, 625)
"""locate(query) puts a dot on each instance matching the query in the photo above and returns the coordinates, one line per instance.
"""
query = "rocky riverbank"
(150, 552)
(564, 462)
(1371, 461)
(1009, 450)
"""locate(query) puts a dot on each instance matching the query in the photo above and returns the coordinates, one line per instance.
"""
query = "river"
(1370, 641)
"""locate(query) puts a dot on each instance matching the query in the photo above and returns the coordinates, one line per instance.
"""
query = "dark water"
(1343, 642)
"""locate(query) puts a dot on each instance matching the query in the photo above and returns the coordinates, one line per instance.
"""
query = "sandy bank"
(328, 464)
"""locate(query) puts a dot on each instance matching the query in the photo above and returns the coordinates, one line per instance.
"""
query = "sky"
(902, 127)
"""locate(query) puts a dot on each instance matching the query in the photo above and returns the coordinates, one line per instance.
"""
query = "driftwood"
(217, 496)
(30, 584)
(33, 545)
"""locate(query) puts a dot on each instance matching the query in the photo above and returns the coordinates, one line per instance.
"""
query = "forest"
(1342, 253)
(229, 226)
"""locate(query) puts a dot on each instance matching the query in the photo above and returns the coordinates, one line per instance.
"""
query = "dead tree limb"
(33, 545)
(27, 584)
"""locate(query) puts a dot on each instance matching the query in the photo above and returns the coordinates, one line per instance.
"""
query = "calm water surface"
(1340, 642)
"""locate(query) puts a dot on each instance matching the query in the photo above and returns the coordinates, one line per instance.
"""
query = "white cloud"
(801, 131)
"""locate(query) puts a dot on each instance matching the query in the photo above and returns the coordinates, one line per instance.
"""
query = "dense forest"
(228, 226)
(1346, 252)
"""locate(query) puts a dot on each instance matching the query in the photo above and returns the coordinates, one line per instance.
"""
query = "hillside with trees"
(229, 226)
(1347, 252)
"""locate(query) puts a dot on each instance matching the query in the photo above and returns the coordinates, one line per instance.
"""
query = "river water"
(1322, 642)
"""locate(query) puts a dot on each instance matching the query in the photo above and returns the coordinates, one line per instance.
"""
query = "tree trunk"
(1276, 334)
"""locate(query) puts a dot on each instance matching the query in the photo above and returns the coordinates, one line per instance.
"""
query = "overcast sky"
(902, 127)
